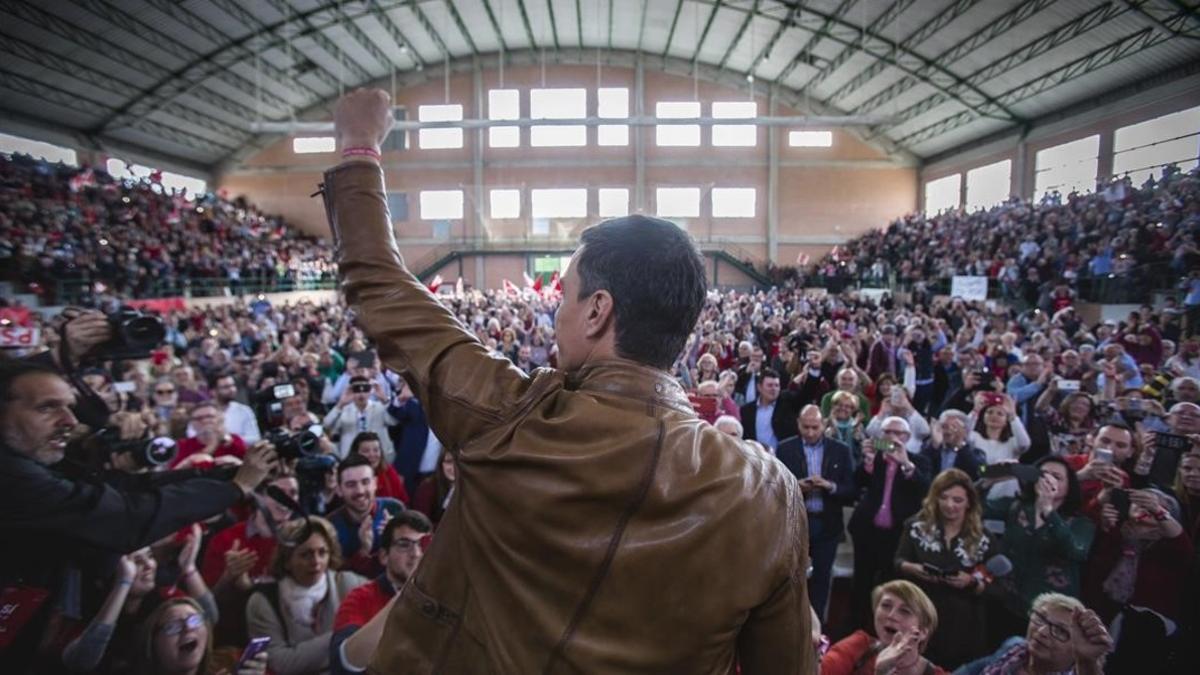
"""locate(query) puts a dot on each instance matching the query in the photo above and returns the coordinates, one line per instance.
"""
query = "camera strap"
(89, 408)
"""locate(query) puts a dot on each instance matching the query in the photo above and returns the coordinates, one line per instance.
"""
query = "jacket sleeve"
(283, 657)
(777, 635)
(465, 390)
(38, 501)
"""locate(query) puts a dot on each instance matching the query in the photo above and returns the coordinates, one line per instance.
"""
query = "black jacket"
(836, 467)
(969, 459)
(783, 418)
(907, 493)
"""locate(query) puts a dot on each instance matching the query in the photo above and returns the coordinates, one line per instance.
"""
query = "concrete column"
(639, 144)
(1104, 161)
(478, 232)
(772, 181)
(1022, 171)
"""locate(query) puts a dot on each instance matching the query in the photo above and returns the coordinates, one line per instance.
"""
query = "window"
(677, 134)
(433, 139)
(614, 202)
(1070, 167)
(734, 135)
(558, 203)
(989, 185)
(557, 104)
(398, 138)
(1142, 149)
(810, 139)
(168, 180)
(505, 204)
(942, 194)
(313, 144)
(678, 202)
(441, 204)
(47, 151)
(613, 103)
(398, 206)
(504, 104)
(733, 202)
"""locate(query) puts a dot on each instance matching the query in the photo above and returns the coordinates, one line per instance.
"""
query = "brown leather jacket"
(597, 526)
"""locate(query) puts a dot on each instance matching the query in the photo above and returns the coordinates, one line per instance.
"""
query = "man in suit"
(749, 373)
(950, 448)
(826, 474)
(769, 419)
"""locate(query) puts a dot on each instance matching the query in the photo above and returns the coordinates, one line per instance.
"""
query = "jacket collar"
(632, 380)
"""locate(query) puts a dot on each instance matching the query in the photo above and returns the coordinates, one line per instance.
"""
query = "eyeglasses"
(407, 545)
(1057, 631)
(192, 622)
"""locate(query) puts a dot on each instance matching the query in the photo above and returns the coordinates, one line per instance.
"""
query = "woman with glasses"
(904, 620)
(1062, 636)
(297, 611)
(940, 547)
(177, 639)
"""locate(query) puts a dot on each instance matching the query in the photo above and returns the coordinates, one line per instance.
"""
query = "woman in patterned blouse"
(940, 548)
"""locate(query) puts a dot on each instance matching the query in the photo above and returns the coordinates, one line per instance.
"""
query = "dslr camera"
(147, 453)
(135, 335)
(297, 445)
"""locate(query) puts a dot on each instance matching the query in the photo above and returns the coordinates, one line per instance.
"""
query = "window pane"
(677, 135)
(733, 202)
(1070, 167)
(313, 144)
(734, 135)
(505, 204)
(440, 138)
(613, 104)
(810, 139)
(614, 202)
(1141, 150)
(942, 194)
(678, 202)
(39, 150)
(558, 104)
(558, 203)
(504, 104)
(441, 204)
(989, 185)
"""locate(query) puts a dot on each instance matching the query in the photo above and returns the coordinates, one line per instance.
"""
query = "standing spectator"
(749, 373)
(357, 412)
(388, 483)
(996, 429)
(949, 447)
(362, 515)
(1025, 386)
(894, 484)
(189, 390)
(239, 417)
(770, 418)
(419, 448)
(883, 357)
(433, 495)
(165, 398)
(825, 470)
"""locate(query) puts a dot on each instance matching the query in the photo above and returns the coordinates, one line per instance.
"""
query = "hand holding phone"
(255, 647)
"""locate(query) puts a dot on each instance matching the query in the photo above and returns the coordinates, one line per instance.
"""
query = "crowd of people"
(79, 233)
(1019, 489)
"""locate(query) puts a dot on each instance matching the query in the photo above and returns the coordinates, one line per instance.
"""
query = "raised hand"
(363, 118)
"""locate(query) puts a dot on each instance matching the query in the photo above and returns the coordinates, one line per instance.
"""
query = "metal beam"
(872, 30)
(1084, 65)
(766, 50)
(967, 45)
(491, 14)
(795, 122)
(357, 72)
(528, 26)
(641, 26)
(708, 26)
(423, 19)
(1144, 13)
(553, 23)
(1079, 26)
(810, 43)
(462, 27)
(737, 37)
(674, 22)
(406, 46)
(610, 23)
(579, 22)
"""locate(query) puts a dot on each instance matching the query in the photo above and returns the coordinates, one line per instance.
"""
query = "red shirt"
(189, 446)
(1089, 490)
(363, 603)
(213, 564)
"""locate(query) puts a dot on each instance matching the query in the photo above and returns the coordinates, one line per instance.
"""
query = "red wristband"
(361, 151)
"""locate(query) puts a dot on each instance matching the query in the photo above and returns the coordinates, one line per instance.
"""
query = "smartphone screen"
(255, 647)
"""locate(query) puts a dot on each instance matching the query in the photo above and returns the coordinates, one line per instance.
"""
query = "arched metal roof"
(186, 79)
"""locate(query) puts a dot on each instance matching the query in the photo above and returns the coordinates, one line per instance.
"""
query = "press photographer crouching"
(73, 520)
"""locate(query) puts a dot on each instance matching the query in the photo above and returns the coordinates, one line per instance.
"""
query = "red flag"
(511, 288)
(537, 284)
(435, 284)
(556, 282)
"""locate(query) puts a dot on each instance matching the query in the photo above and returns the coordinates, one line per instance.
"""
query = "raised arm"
(463, 388)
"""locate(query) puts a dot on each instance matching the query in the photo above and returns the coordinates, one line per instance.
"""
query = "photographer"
(65, 516)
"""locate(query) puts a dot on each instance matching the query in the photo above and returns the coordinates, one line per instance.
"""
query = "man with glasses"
(1063, 636)
(210, 441)
(360, 619)
(166, 398)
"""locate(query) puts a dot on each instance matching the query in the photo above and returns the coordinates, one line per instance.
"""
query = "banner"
(969, 288)
(19, 338)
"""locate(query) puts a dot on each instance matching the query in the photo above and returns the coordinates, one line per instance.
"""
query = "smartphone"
(933, 570)
(125, 387)
(282, 391)
(1133, 404)
(255, 647)
(896, 395)
(1120, 500)
(1068, 385)
(1103, 455)
(882, 445)
(1168, 450)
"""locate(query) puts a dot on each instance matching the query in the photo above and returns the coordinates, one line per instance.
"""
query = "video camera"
(146, 452)
(294, 445)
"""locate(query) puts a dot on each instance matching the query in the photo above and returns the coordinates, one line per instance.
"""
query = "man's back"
(596, 525)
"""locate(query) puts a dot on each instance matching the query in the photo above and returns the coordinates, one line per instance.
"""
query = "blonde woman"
(904, 621)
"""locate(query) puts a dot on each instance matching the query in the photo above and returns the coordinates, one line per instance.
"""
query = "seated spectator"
(433, 495)
(1187, 490)
(940, 548)
(360, 620)
(189, 391)
(239, 418)
(949, 447)
(996, 429)
(177, 639)
(388, 483)
(728, 424)
(1046, 536)
(211, 439)
(1140, 557)
(296, 611)
(362, 515)
(164, 398)
(904, 620)
(1108, 464)
(1063, 637)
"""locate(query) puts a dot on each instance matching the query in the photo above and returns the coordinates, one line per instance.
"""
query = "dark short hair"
(766, 373)
(1073, 501)
(359, 379)
(12, 370)
(352, 460)
(363, 437)
(655, 275)
(410, 518)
